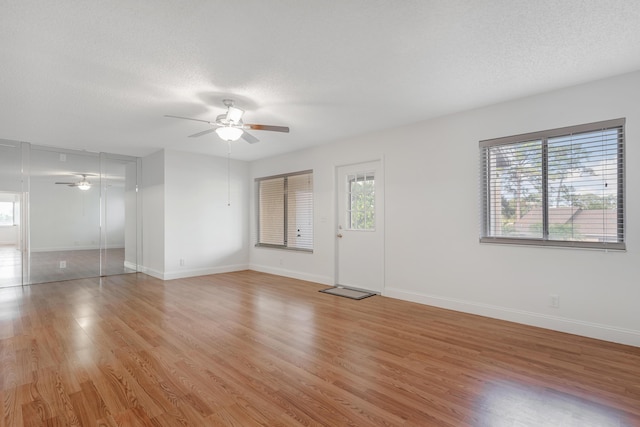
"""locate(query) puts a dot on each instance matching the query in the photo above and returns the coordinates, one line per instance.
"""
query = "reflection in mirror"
(64, 215)
(119, 187)
(10, 211)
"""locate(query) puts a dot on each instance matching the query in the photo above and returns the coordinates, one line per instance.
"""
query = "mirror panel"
(119, 213)
(10, 213)
(64, 215)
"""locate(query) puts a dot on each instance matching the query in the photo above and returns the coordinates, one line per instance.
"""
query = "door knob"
(339, 234)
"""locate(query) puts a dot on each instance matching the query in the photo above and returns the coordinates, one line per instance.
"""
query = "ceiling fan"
(83, 184)
(230, 127)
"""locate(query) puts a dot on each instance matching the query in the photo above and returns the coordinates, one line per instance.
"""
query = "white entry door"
(360, 233)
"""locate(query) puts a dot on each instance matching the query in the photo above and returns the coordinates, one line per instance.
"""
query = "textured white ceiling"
(100, 75)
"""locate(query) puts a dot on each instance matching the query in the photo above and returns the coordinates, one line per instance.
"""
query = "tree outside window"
(564, 185)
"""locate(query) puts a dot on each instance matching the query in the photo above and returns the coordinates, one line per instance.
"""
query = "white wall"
(201, 227)
(432, 253)
(186, 215)
(153, 203)
(9, 235)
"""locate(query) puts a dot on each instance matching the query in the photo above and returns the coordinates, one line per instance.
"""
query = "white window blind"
(285, 211)
(562, 187)
(272, 211)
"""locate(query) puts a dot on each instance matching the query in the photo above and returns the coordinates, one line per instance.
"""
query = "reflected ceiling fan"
(230, 127)
(83, 184)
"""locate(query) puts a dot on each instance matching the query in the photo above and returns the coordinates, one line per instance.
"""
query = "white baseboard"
(74, 248)
(151, 272)
(181, 274)
(556, 323)
(132, 266)
(324, 280)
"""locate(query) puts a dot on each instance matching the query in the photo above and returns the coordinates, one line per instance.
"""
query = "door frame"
(336, 215)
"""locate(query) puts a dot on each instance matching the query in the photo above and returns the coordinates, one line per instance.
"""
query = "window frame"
(544, 136)
(285, 246)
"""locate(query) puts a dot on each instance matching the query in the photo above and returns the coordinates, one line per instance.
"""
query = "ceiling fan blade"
(249, 138)
(187, 118)
(268, 127)
(204, 132)
(65, 183)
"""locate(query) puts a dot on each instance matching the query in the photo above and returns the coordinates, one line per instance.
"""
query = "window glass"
(564, 187)
(361, 203)
(285, 211)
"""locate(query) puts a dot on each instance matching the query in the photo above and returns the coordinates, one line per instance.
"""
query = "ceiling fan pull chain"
(228, 173)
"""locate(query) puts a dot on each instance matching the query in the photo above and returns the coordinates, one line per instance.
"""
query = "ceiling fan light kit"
(229, 133)
(229, 127)
(83, 184)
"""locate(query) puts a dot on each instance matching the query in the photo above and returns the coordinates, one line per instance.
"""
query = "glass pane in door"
(361, 201)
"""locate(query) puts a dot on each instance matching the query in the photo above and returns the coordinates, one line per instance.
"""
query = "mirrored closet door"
(75, 214)
(64, 215)
(120, 231)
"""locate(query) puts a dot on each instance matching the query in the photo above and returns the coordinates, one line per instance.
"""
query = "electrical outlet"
(554, 301)
(63, 264)
(181, 262)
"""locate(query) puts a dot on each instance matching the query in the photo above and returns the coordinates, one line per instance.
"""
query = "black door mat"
(348, 293)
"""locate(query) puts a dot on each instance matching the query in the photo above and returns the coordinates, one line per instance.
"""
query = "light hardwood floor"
(247, 348)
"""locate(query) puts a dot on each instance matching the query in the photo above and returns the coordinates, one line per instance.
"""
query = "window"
(7, 211)
(562, 187)
(361, 203)
(285, 211)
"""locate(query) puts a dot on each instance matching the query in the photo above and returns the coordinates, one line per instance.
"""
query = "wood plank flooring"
(248, 349)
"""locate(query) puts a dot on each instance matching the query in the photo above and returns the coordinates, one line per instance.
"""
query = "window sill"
(263, 245)
(554, 244)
